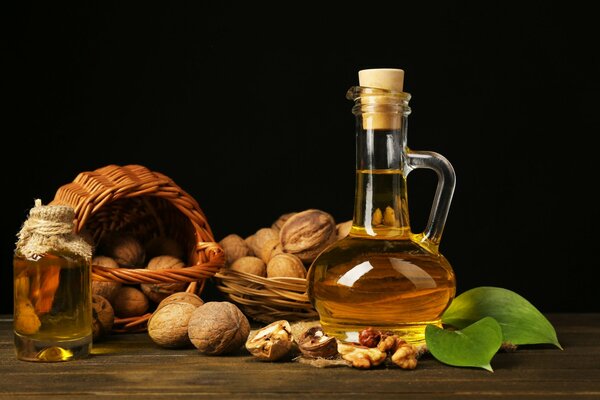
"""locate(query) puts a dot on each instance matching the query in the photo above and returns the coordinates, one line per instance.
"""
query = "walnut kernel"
(273, 342)
(360, 356)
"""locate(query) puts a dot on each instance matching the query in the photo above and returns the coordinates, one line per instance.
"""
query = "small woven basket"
(267, 299)
(147, 204)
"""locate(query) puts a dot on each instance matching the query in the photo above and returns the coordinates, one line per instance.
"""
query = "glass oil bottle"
(383, 275)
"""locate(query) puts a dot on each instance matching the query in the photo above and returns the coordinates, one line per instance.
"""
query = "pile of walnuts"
(110, 298)
(283, 250)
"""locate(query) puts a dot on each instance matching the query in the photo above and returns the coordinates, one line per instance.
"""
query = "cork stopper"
(381, 78)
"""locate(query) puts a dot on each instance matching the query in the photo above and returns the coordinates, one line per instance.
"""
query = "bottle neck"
(381, 208)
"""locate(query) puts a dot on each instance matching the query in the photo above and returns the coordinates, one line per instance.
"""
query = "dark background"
(247, 112)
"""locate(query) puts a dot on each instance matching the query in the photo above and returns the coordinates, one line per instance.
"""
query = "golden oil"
(52, 307)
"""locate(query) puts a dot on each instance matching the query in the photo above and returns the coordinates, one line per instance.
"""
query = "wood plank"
(131, 366)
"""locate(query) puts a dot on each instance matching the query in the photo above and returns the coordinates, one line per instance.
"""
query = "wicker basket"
(136, 200)
(267, 299)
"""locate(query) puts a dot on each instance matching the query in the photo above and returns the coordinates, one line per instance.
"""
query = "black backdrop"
(247, 113)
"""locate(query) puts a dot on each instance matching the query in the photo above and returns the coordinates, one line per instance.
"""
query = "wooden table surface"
(131, 367)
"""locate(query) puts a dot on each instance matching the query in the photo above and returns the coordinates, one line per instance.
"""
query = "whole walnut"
(164, 246)
(168, 326)
(263, 242)
(181, 297)
(269, 249)
(286, 265)
(218, 328)
(103, 317)
(158, 291)
(250, 265)
(308, 233)
(343, 229)
(130, 302)
(108, 289)
(249, 241)
(234, 247)
(282, 220)
(125, 249)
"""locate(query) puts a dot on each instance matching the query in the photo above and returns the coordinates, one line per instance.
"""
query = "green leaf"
(521, 322)
(474, 346)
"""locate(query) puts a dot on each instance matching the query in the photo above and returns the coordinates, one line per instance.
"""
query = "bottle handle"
(443, 194)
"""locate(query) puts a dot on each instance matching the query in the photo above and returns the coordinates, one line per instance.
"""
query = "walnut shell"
(218, 327)
(286, 265)
(268, 248)
(181, 297)
(103, 317)
(314, 343)
(250, 265)
(273, 342)
(249, 241)
(282, 220)
(130, 302)
(343, 229)
(159, 291)
(168, 326)
(164, 246)
(261, 237)
(125, 249)
(307, 233)
(235, 247)
(109, 289)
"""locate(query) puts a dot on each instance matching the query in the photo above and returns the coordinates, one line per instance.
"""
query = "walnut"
(273, 342)
(269, 249)
(369, 337)
(234, 247)
(181, 297)
(314, 343)
(250, 265)
(130, 302)
(218, 327)
(26, 320)
(164, 246)
(360, 356)
(343, 229)
(377, 218)
(158, 291)
(307, 233)
(282, 220)
(124, 249)
(103, 317)
(107, 290)
(261, 237)
(168, 326)
(389, 216)
(285, 265)
(249, 241)
(403, 354)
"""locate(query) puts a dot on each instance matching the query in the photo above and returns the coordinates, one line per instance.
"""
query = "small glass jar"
(52, 288)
